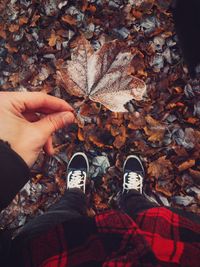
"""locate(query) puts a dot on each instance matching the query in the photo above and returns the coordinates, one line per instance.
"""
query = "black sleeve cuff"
(14, 173)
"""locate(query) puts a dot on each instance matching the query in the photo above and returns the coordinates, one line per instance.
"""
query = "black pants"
(73, 205)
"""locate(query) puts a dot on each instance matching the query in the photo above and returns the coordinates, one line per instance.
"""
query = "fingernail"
(68, 117)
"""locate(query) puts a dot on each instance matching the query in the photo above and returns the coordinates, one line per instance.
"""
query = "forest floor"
(163, 128)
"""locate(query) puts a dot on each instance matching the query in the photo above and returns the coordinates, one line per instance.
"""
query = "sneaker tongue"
(138, 172)
(75, 169)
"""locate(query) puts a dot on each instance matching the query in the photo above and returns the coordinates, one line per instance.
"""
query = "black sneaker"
(133, 174)
(77, 170)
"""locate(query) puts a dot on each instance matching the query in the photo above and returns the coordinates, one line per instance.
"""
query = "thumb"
(53, 122)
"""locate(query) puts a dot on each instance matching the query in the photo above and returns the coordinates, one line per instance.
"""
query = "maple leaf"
(101, 76)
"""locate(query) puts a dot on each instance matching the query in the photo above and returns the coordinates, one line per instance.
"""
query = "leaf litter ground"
(37, 38)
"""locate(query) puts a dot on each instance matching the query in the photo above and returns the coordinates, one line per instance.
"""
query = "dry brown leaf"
(120, 138)
(195, 175)
(14, 79)
(186, 165)
(95, 140)
(88, 110)
(163, 190)
(160, 167)
(98, 202)
(2, 32)
(137, 121)
(154, 129)
(101, 76)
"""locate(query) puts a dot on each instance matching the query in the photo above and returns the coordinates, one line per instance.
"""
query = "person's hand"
(27, 121)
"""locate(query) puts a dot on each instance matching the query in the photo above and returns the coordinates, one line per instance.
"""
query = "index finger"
(37, 101)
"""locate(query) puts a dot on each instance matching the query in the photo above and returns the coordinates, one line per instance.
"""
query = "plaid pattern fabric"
(158, 237)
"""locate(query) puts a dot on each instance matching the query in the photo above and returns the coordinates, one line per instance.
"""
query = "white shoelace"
(76, 179)
(134, 181)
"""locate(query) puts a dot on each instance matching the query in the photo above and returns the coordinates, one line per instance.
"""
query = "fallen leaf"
(120, 139)
(186, 165)
(23, 20)
(80, 134)
(137, 121)
(14, 79)
(91, 8)
(52, 39)
(160, 167)
(101, 76)
(195, 175)
(13, 28)
(88, 110)
(2, 32)
(11, 49)
(69, 19)
(98, 202)
(154, 129)
(192, 120)
(163, 190)
(35, 18)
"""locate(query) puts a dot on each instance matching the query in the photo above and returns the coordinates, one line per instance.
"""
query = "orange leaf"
(69, 19)
(11, 49)
(23, 20)
(95, 141)
(175, 105)
(80, 135)
(186, 165)
(154, 136)
(192, 120)
(52, 39)
(137, 14)
(178, 90)
(34, 20)
(13, 28)
(91, 8)
(84, 5)
(37, 178)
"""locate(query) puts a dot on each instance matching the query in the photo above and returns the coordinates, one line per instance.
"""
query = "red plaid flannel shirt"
(158, 237)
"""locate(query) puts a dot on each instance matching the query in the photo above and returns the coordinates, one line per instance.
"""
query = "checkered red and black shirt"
(158, 237)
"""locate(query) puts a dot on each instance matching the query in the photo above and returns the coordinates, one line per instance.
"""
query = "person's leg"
(132, 200)
(71, 205)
